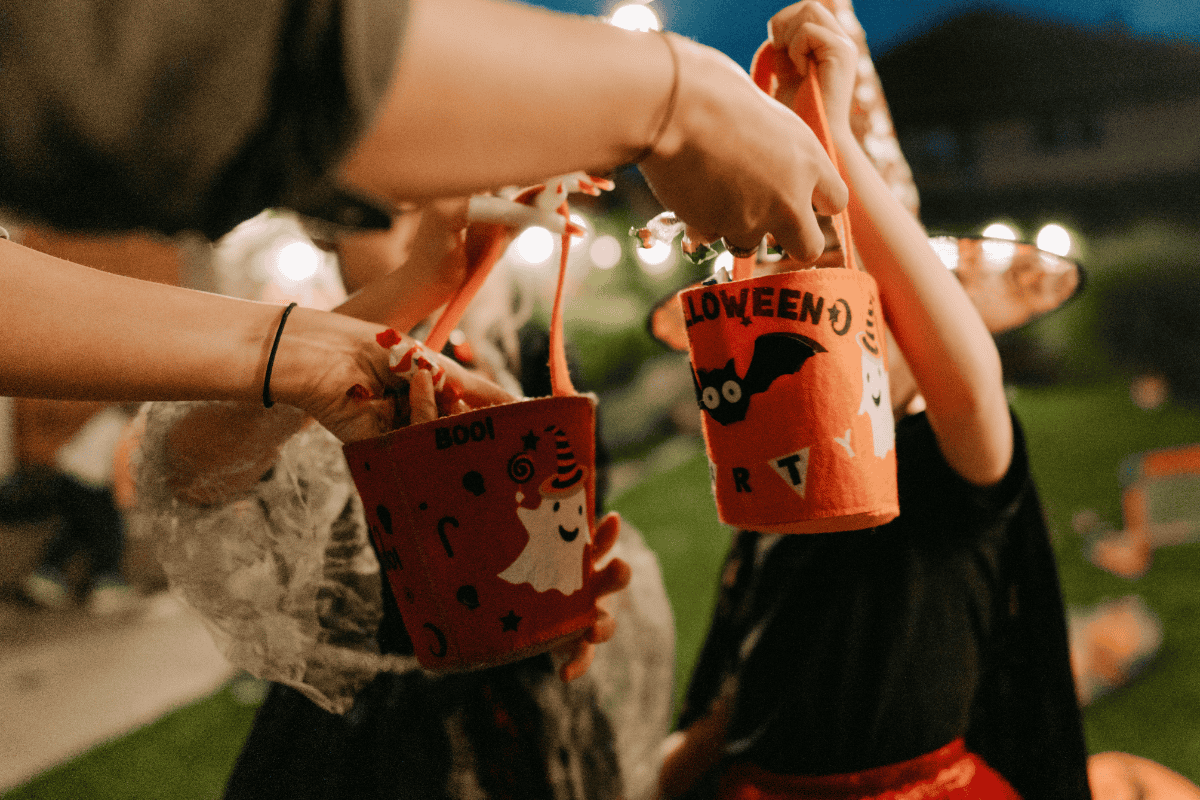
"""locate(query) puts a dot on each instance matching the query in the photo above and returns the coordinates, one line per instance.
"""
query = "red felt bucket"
(791, 377)
(483, 521)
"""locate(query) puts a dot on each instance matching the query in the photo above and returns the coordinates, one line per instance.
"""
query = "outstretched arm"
(79, 333)
(401, 276)
(108, 337)
(947, 346)
(489, 93)
(221, 451)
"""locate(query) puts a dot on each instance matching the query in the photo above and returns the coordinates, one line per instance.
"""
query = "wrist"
(844, 140)
(313, 346)
(267, 399)
(666, 115)
(693, 94)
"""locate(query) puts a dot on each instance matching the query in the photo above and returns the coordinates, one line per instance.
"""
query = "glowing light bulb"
(605, 252)
(535, 245)
(998, 255)
(297, 261)
(635, 17)
(656, 260)
(998, 230)
(585, 224)
(1054, 238)
(946, 248)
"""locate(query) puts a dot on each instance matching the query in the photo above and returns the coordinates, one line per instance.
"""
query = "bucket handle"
(809, 106)
(483, 248)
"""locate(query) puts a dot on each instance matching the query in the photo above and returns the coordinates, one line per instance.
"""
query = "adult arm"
(488, 93)
(79, 333)
(198, 116)
(948, 348)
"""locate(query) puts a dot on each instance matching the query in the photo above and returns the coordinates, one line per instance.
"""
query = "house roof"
(988, 64)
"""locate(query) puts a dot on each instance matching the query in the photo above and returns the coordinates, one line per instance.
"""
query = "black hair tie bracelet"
(268, 401)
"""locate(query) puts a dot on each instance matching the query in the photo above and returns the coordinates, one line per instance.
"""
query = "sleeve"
(1025, 721)
(170, 116)
(936, 498)
(285, 578)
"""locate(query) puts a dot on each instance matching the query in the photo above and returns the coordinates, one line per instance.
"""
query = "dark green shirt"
(170, 116)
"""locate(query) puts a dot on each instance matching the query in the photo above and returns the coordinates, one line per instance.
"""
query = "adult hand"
(737, 164)
(335, 368)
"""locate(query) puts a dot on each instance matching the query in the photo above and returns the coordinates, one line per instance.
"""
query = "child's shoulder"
(925, 477)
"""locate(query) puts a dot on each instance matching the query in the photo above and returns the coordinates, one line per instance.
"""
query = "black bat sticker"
(726, 396)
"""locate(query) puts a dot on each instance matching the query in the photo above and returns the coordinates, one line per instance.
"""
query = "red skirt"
(948, 773)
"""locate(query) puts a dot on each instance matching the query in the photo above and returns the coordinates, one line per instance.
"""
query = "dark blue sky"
(738, 26)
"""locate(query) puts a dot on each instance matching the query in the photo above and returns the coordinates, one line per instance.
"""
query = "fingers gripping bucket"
(790, 373)
(484, 521)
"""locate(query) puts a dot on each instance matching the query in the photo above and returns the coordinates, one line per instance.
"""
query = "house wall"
(1134, 142)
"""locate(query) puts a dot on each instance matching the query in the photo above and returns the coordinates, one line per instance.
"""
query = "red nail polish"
(359, 392)
(388, 338)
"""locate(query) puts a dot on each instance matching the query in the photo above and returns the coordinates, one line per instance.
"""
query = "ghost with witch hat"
(557, 527)
(876, 400)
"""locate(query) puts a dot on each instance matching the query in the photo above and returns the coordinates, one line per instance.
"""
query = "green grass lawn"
(186, 755)
(1077, 440)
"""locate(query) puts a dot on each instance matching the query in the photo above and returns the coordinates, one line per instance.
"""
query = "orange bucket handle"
(809, 106)
(483, 247)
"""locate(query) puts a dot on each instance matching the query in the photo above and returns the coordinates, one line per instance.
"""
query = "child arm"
(400, 276)
(690, 753)
(952, 356)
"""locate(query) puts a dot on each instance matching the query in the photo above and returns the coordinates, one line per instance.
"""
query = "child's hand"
(612, 577)
(810, 33)
(688, 754)
(400, 276)
(423, 398)
(537, 205)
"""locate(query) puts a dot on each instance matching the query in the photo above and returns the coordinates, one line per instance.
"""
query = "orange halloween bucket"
(790, 371)
(484, 521)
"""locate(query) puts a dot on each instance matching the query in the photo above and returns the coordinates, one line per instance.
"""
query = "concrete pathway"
(70, 681)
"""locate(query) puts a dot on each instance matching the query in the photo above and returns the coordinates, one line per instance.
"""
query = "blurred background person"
(70, 484)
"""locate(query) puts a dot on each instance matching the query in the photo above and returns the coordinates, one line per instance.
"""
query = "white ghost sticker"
(558, 533)
(877, 400)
